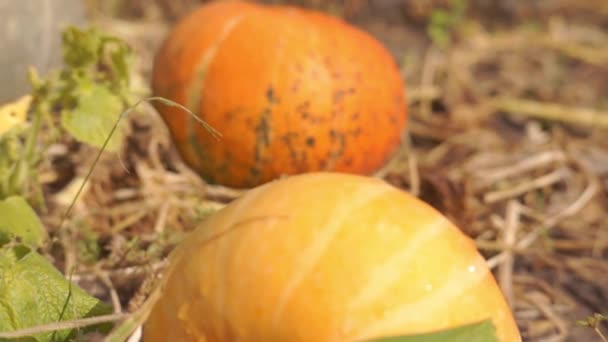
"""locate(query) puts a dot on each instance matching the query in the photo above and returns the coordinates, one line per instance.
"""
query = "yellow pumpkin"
(325, 257)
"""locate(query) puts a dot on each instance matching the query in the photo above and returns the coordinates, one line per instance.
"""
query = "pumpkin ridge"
(410, 313)
(386, 274)
(197, 84)
(313, 253)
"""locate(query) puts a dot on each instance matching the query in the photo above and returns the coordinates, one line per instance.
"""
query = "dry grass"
(506, 137)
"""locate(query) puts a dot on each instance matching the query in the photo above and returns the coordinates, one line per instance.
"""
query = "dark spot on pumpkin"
(295, 86)
(262, 134)
(263, 128)
(356, 132)
(310, 141)
(255, 171)
(341, 139)
(339, 95)
(303, 106)
(356, 116)
(270, 95)
(348, 162)
(298, 158)
(223, 168)
(230, 115)
(336, 75)
(338, 142)
(305, 114)
(290, 135)
(302, 109)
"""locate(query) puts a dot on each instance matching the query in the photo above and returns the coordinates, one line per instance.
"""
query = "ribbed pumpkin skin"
(325, 257)
(290, 90)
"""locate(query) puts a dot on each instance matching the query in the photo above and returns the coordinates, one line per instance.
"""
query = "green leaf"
(18, 219)
(476, 332)
(94, 117)
(120, 61)
(81, 47)
(33, 292)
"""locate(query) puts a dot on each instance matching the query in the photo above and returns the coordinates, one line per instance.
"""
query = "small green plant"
(443, 22)
(594, 322)
(84, 99)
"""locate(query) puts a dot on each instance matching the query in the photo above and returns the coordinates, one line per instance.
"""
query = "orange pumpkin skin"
(290, 90)
(325, 257)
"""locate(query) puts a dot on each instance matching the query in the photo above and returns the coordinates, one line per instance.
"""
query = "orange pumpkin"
(290, 90)
(325, 257)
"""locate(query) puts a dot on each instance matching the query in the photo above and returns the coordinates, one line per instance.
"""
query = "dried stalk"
(553, 112)
(74, 324)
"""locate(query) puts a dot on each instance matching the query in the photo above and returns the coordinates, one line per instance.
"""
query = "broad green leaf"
(476, 332)
(96, 113)
(18, 219)
(34, 292)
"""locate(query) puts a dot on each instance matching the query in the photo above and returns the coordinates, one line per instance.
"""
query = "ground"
(507, 115)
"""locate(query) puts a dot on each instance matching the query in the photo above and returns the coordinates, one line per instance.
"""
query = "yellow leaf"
(14, 113)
